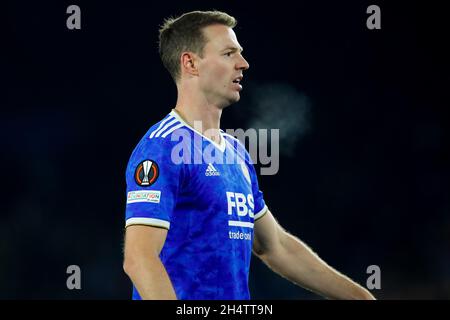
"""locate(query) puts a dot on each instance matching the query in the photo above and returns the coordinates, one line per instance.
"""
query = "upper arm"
(153, 182)
(267, 235)
(143, 240)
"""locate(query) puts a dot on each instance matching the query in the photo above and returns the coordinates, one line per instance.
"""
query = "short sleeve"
(153, 182)
(258, 196)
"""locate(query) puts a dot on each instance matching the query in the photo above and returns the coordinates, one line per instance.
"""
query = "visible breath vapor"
(281, 106)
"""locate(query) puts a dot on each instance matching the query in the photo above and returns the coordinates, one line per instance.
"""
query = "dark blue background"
(367, 183)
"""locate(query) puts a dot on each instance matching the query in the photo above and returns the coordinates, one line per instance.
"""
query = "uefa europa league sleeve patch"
(146, 173)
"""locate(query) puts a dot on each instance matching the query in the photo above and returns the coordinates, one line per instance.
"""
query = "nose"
(242, 64)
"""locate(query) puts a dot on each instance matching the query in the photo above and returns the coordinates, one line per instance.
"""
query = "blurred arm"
(291, 258)
(143, 265)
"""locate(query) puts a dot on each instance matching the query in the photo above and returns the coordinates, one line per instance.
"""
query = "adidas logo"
(211, 171)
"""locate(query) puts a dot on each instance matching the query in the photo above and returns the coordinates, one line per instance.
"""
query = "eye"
(228, 54)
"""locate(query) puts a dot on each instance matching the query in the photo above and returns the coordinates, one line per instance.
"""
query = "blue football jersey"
(207, 196)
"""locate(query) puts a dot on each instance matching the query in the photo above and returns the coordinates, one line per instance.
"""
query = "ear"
(189, 63)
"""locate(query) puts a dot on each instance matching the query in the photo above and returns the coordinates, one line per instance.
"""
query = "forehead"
(220, 37)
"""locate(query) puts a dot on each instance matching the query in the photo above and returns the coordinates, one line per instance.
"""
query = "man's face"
(221, 68)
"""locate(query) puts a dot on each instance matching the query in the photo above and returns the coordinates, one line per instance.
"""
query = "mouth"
(237, 82)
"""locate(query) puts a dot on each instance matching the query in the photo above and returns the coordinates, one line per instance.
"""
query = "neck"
(199, 114)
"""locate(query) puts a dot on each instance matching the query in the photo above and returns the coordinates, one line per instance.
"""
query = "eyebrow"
(233, 49)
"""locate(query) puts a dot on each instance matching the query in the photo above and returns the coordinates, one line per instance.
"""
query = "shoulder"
(230, 138)
(163, 129)
(233, 141)
(237, 145)
(157, 142)
(159, 137)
